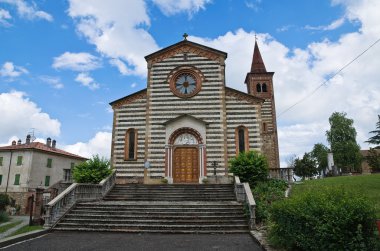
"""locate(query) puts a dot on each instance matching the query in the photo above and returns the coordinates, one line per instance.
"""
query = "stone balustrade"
(244, 194)
(61, 204)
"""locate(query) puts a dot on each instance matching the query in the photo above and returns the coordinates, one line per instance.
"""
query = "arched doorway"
(185, 156)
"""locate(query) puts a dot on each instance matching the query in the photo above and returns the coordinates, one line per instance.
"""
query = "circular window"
(185, 84)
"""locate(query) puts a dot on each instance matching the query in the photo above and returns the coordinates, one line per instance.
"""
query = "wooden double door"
(186, 165)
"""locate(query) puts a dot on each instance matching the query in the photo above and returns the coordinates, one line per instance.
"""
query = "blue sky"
(62, 62)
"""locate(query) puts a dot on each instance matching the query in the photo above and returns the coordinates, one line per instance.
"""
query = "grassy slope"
(368, 185)
(26, 229)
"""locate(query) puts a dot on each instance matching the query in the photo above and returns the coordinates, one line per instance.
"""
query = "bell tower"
(260, 84)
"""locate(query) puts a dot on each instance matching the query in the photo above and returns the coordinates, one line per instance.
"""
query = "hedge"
(327, 219)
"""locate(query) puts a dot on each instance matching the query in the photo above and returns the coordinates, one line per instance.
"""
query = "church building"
(187, 121)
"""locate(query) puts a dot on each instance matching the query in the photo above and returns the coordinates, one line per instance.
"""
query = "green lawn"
(26, 229)
(368, 185)
(6, 227)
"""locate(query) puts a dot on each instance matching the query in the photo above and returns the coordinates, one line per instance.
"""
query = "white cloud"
(9, 70)
(86, 80)
(254, 5)
(120, 66)
(133, 85)
(28, 11)
(55, 82)
(172, 7)
(118, 30)
(99, 144)
(19, 115)
(299, 71)
(332, 26)
(81, 61)
(4, 15)
(303, 137)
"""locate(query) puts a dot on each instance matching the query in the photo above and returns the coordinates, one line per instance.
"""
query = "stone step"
(173, 194)
(160, 208)
(156, 227)
(208, 190)
(143, 192)
(158, 222)
(161, 198)
(156, 217)
(184, 208)
(162, 231)
(200, 186)
(162, 212)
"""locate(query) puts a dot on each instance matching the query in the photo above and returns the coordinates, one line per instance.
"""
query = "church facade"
(187, 123)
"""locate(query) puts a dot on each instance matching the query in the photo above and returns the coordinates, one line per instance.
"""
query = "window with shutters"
(17, 179)
(19, 160)
(67, 175)
(49, 163)
(47, 181)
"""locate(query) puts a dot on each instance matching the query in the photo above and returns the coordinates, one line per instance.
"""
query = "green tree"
(250, 167)
(92, 171)
(375, 140)
(373, 159)
(342, 139)
(319, 153)
(4, 201)
(305, 167)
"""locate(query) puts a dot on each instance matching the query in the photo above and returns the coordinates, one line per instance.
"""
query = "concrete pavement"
(137, 242)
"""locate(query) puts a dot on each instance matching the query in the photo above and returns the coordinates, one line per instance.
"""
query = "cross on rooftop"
(185, 36)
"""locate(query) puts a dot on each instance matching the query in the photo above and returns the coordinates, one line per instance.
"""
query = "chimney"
(13, 142)
(19, 142)
(54, 144)
(48, 142)
(27, 139)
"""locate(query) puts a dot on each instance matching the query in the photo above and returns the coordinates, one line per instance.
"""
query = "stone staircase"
(160, 209)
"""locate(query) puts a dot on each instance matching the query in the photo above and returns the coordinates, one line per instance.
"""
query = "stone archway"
(185, 157)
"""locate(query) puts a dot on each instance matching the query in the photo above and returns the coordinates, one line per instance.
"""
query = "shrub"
(5, 200)
(265, 193)
(4, 217)
(92, 171)
(250, 167)
(327, 219)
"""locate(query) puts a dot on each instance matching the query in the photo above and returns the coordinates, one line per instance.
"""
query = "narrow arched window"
(264, 127)
(258, 87)
(130, 152)
(264, 87)
(241, 139)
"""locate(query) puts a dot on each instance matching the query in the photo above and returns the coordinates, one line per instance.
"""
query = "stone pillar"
(38, 205)
(169, 164)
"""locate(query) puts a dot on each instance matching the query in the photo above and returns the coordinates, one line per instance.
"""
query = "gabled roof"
(187, 46)
(128, 98)
(42, 148)
(257, 65)
(183, 116)
(243, 95)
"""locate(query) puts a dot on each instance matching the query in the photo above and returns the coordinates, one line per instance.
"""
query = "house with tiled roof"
(30, 165)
